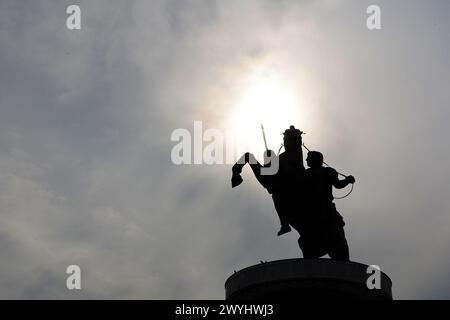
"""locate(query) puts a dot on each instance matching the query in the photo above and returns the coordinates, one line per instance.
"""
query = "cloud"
(86, 119)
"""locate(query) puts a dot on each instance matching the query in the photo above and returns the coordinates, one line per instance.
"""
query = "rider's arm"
(339, 184)
(265, 173)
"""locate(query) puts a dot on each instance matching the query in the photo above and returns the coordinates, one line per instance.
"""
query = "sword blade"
(264, 136)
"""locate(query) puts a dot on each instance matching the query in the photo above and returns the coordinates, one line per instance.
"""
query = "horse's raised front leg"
(264, 180)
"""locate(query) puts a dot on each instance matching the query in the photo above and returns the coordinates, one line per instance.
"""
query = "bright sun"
(268, 100)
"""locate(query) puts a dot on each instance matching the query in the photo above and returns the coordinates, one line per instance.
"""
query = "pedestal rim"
(300, 270)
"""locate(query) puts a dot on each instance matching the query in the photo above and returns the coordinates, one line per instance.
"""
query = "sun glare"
(267, 100)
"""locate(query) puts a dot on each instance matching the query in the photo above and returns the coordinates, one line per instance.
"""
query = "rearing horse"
(283, 177)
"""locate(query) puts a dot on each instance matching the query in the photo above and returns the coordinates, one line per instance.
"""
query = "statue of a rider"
(303, 198)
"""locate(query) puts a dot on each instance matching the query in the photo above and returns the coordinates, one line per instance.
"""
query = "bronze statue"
(303, 198)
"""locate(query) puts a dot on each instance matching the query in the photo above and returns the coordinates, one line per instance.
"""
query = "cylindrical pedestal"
(306, 278)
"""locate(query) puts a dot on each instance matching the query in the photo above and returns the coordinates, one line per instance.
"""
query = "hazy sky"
(86, 118)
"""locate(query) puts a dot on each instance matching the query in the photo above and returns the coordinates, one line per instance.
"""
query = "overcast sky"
(86, 118)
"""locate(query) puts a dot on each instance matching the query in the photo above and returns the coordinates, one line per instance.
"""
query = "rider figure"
(325, 232)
